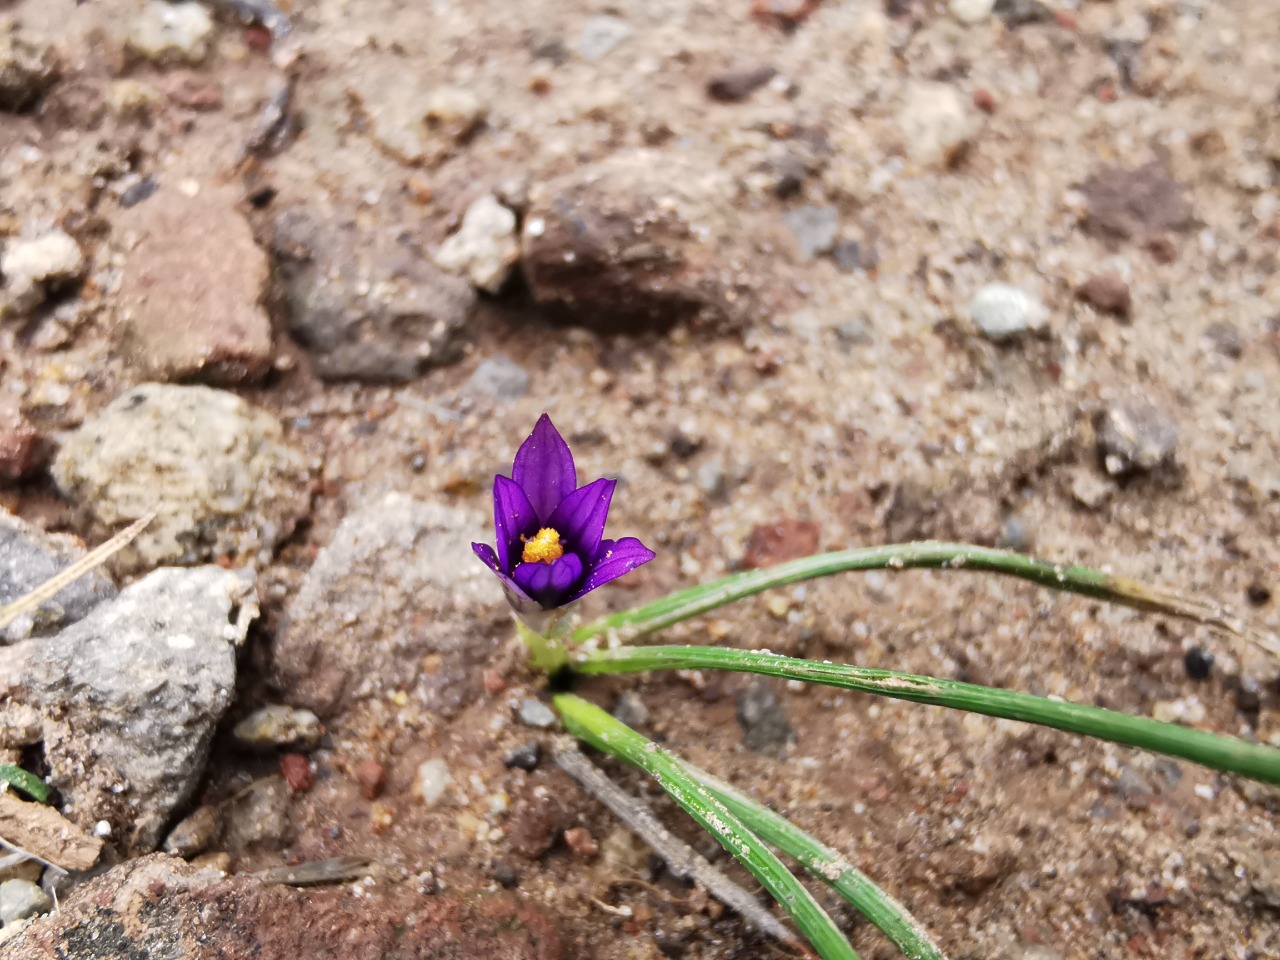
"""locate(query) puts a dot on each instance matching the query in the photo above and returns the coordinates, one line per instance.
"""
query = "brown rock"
(783, 14)
(735, 85)
(541, 816)
(372, 777)
(22, 450)
(641, 239)
(162, 907)
(581, 842)
(1134, 204)
(192, 288)
(296, 770)
(1136, 436)
(788, 539)
(43, 831)
(1108, 293)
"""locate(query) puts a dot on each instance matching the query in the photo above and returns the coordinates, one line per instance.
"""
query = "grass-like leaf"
(639, 621)
(1228, 754)
(829, 866)
(28, 783)
(602, 730)
(592, 725)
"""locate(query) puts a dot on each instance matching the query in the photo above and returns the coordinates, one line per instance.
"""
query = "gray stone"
(26, 71)
(1003, 312)
(814, 229)
(35, 267)
(1136, 436)
(271, 727)
(215, 468)
(601, 35)
(765, 728)
(28, 558)
(535, 713)
(367, 306)
(171, 32)
(257, 817)
(630, 709)
(130, 696)
(20, 899)
(485, 249)
(1018, 13)
(936, 123)
(524, 757)
(192, 289)
(498, 379)
(398, 583)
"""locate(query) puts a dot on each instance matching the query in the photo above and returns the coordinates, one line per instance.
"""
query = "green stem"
(1218, 752)
(591, 724)
(547, 650)
(630, 624)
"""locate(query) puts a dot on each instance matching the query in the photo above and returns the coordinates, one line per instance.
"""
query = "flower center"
(544, 547)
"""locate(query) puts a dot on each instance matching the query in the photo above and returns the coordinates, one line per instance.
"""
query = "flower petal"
(550, 583)
(544, 468)
(613, 559)
(513, 517)
(520, 601)
(581, 516)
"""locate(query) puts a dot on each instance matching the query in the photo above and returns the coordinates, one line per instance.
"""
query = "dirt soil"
(1117, 161)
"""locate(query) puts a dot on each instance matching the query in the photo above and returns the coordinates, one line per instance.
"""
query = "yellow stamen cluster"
(543, 548)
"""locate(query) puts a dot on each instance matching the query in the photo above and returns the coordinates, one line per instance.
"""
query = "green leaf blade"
(1216, 751)
(592, 725)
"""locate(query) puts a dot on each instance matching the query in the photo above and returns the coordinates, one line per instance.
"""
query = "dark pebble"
(736, 85)
(1107, 293)
(1258, 593)
(135, 193)
(1199, 663)
(765, 728)
(1017, 13)
(524, 757)
(506, 875)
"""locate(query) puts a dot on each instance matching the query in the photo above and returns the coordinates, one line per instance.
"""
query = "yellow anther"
(543, 548)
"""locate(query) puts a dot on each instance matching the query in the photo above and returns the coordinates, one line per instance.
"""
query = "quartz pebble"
(171, 32)
(35, 267)
(971, 11)
(1002, 312)
(485, 249)
(535, 713)
(20, 899)
(278, 726)
(434, 780)
(936, 122)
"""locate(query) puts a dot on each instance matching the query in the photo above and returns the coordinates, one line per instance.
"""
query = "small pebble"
(581, 842)
(372, 777)
(524, 757)
(971, 11)
(1136, 436)
(296, 770)
(506, 875)
(193, 834)
(138, 191)
(1223, 337)
(815, 229)
(485, 248)
(498, 378)
(1003, 312)
(601, 35)
(765, 728)
(936, 123)
(20, 899)
(1108, 293)
(630, 709)
(168, 32)
(32, 268)
(434, 780)
(1198, 663)
(735, 85)
(279, 726)
(535, 713)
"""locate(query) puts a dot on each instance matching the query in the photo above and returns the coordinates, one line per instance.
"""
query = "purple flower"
(551, 547)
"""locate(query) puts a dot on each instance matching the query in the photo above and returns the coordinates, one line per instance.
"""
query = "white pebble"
(434, 780)
(1002, 311)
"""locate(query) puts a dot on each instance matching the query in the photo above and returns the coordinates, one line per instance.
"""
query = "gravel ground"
(875, 272)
